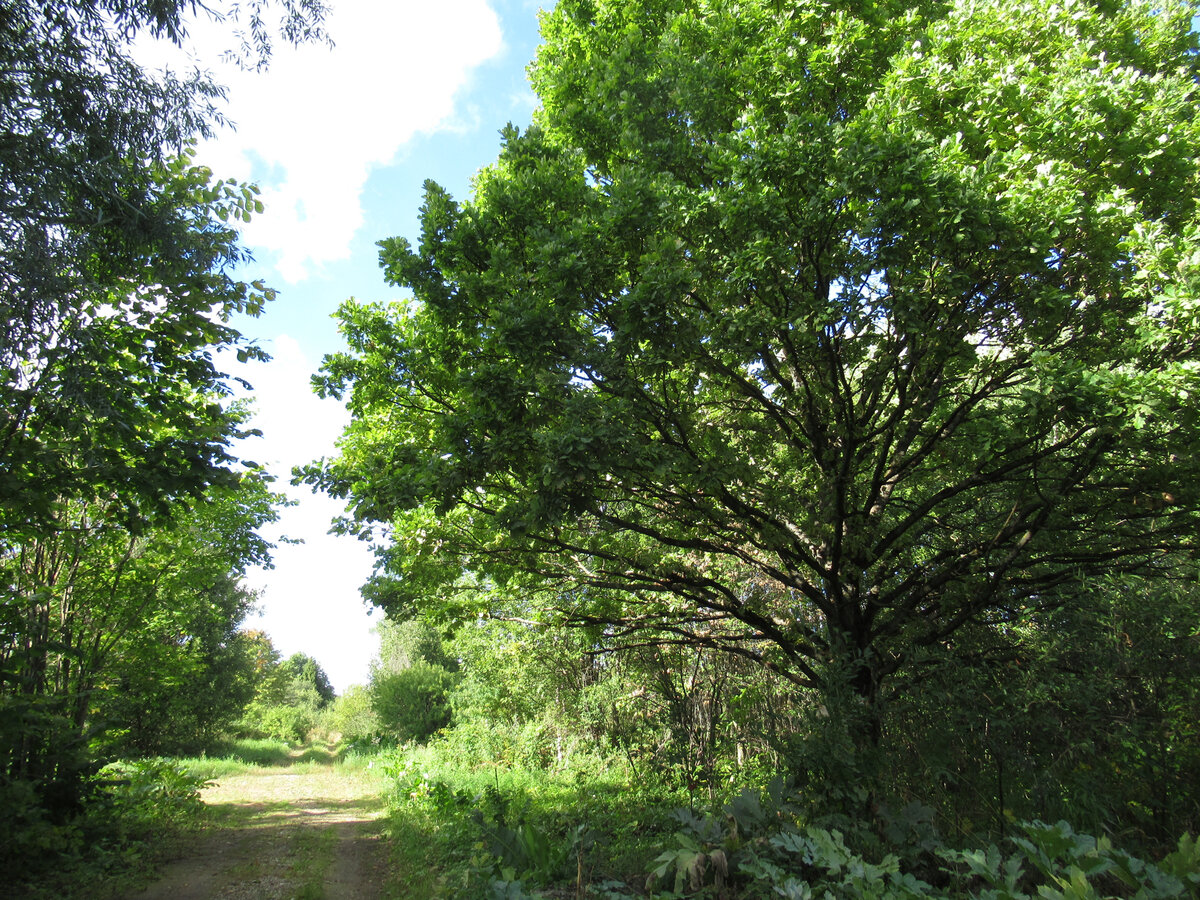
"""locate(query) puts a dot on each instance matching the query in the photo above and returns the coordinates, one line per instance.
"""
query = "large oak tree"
(811, 330)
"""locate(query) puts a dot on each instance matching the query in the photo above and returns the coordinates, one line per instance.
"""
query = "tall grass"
(230, 757)
(464, 826)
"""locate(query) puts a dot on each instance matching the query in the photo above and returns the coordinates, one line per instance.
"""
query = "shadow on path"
(275, 756)
(283, 835)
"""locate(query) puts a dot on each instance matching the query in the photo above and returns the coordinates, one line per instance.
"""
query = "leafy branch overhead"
(117, 257)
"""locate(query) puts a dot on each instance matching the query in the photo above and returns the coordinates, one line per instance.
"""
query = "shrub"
(414, 703)
(280, 721)
(126, 812)
(351, 716)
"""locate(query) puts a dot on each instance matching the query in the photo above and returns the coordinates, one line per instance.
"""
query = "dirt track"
(310, 833)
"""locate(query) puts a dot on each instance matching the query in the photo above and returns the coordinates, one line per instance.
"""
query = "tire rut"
(314, 833)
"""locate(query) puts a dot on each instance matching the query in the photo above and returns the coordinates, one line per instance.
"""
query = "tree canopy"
(813, 331)
(117, 258)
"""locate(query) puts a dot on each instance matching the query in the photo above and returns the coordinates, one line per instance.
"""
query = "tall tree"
(118, 259)
(108, 628)
(168, 670)
(835, 325)
(309, 679)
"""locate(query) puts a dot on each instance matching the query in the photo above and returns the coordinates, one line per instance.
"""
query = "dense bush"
(350, 716)
(127, 811)
(414, 703)
(283, 721)
(289, 696)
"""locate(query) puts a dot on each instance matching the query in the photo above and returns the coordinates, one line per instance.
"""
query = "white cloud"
(298, 425)
(310, 601)
(311, 128)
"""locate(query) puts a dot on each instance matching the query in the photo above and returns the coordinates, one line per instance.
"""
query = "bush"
(414, 703)
(280, 721)
(153, 792)
(26, 832)
(351, 716)
(127, 811)
(757, 850)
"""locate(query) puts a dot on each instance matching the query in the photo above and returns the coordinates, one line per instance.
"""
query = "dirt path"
(309, 832)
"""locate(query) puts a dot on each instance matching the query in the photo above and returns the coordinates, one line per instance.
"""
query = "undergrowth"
(511, 834)
(467, 831)
(130, 814)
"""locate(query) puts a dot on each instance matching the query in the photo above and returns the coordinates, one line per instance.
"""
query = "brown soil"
(312, 832)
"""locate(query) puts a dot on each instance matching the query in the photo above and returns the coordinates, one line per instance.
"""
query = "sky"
(340, 142)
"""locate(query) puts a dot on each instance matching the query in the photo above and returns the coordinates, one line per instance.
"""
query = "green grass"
(230, 756)
(236, 755)
(451, 827)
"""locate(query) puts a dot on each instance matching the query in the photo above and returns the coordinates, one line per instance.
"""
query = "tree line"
(126, 521)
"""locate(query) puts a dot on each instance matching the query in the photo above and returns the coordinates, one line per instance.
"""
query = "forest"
(781, 468)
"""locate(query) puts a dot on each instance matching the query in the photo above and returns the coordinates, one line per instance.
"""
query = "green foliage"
(519, 845)
(829, 370)
(126, 524)
(527, 695)
(233, 755)
(289, 697)
(414, 703)
(815, 334)
(406, 643)
(504, 829)
(1062, 864)
(308, 678)
(513, 832)
(27, 829)
(351, 716)
(129, 810)
(176, 673)
(120, 642)
(518, 833)
(116, 251)
(411, 682)
(155, 790)
(513, 843)
(117, 257)
(1085, 713)
(284, 722)
(750, 853)
(142, 322)
(169, 695)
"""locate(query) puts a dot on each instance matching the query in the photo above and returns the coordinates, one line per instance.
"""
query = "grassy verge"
(460, 832)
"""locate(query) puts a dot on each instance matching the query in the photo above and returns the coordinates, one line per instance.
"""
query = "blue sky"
(341, 141)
